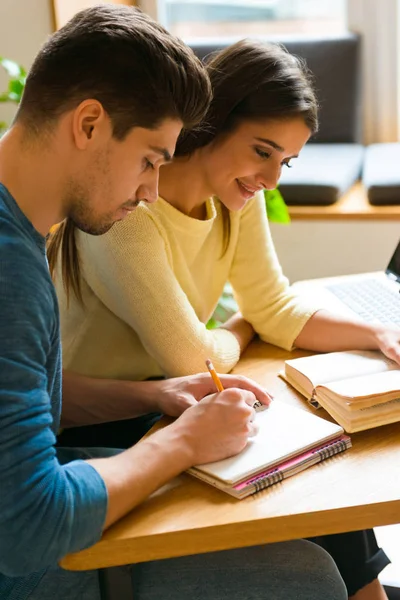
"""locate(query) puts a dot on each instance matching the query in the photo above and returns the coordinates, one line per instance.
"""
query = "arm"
(263, 294)
(197, 437)
(46, 509)
(283, 318)
(87, 400)
(326, 332)
(131, 272)
(241, 329)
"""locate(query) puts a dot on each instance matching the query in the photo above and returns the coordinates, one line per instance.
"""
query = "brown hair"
(138, 71)
(252, 81)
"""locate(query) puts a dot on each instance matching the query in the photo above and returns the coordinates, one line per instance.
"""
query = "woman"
(139, 305)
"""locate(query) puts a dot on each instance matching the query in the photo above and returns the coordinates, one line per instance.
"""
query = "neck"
(184, 185)
(30, 173)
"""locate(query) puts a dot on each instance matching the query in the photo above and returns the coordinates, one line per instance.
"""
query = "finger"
(247, 384)
(253, 429)
(392, 352)
(249, 398)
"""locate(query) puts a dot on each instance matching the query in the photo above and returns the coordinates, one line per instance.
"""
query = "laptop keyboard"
(370, 299)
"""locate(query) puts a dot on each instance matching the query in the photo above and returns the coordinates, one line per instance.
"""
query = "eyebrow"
(163, 151)
(271, 143)
(275, 145)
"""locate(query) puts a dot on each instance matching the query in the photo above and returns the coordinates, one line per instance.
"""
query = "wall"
(24, 26)
(309, 249)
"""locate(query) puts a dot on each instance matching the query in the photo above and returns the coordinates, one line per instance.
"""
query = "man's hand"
(212, 429)
(177, 394)
(216, 427)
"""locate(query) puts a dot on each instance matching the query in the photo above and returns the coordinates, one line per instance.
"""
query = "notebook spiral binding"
(277, 476)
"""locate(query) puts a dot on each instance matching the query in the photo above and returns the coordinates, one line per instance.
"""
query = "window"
(216, 18)
(63, 10)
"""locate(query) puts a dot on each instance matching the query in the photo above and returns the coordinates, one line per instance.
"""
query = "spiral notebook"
(289, 440)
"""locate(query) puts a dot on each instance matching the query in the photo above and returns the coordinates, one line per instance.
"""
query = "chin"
(235, 203)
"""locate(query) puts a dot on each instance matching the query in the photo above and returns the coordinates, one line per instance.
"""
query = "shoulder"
(255, 205)
(25, 283)
(143, 226)
(254, 214)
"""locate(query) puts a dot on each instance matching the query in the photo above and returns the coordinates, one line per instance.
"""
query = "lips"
(246, 190)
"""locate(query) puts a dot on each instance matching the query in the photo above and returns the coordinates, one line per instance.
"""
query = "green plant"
(277, 212)
(16, 84)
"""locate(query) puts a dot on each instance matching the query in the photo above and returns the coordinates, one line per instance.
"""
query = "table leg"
(116, 583)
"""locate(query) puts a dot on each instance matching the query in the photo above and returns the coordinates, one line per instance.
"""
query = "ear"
(89, 123)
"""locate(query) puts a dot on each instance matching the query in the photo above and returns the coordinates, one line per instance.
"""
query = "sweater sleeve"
(46, 510)
(130, 270)
(262, 292)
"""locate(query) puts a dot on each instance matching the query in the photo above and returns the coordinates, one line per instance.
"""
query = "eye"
(262, 153)
(148, 164)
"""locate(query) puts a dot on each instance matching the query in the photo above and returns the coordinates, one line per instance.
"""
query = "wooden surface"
(355, 490)
(353, 205)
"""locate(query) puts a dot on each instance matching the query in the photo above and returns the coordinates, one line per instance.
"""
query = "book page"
(367, 385)
(336, 366)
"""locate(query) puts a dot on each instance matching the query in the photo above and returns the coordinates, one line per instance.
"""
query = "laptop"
(373, 297)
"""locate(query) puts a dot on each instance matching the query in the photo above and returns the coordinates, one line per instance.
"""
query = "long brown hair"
(139, 72)
(252, 81)
(61, 245)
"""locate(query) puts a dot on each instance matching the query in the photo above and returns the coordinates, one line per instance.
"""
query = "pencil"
(214, 375)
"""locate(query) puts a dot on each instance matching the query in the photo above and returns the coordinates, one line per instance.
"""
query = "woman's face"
(251, 158)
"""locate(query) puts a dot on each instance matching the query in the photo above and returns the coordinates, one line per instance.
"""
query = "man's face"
(115, 176)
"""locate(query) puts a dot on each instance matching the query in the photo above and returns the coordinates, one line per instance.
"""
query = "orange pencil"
(214, 375)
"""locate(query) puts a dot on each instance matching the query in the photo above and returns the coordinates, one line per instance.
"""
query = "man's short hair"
(139, 72)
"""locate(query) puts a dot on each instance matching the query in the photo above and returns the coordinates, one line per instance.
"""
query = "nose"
(148, 189)
(269, 178)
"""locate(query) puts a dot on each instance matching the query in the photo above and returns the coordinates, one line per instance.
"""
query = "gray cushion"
(381, 173)
(335, 63)
(321, 174)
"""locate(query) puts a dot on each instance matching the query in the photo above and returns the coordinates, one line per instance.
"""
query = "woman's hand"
(388, 342)
(176, 395)
(327, 332)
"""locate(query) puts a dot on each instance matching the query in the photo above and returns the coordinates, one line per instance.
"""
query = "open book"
(360, 389)
(289, 440)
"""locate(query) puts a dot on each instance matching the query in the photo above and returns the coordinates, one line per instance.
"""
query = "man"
(103, 105)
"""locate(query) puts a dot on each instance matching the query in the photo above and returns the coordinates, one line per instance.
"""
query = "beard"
(86, 224)
(80, 211)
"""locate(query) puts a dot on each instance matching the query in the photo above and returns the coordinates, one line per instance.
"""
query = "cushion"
(381, 173)
(321, 174)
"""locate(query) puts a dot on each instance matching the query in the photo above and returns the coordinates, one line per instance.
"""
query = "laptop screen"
(393, 268)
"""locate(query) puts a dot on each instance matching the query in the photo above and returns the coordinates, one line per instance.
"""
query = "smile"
(246, 191)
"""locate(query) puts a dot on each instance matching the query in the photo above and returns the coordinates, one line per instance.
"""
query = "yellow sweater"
(152, 282)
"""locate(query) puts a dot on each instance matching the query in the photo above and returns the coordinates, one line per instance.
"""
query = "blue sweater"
(46, 509)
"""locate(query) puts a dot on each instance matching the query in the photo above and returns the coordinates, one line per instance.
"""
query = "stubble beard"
(81, 213)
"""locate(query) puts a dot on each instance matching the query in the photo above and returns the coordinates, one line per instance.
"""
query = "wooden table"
(356, 490)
